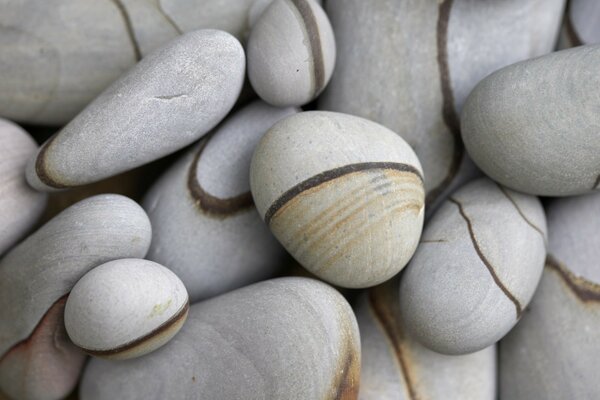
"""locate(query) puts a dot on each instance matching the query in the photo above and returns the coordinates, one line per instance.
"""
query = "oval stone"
(344, 195)
(168, 100)
(580, 25)
(205, 226)
(476, 269)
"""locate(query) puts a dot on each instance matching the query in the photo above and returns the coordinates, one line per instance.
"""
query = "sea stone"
(410, 64)
(205, 226)
(291, 52)
(553, 351)
(57, 56)
(20, 206)
(581, 24)
(476, 269)
(168, 100)
(397, 367)
(344, 195)
(37, 275)
(287, 338)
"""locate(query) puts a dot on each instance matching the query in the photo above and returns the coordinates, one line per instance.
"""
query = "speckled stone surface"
(553, 352)
(580, 25)
(287, 338)
(167, 101)
(478, 264)
(205, 226)
(533, 126)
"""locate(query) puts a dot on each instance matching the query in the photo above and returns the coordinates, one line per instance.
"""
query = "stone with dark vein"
(205, 227)
(477, 268)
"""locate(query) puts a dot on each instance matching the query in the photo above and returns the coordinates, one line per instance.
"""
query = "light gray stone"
(533, 126)
(410, 64)
(20, 206)
(287, 338)
(37, 275)
(553, 351)
(476, 269)
(343, 194)
(205, 226)
(168, 100)
(581, 24)
(291, 52)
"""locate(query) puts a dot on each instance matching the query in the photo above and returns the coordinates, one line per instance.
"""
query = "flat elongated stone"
(287, 338)
(553, 351)
(476, 269)
(580, 25)
(35, 277)
(20, 206)
(533, 126)
(410, 64)
(343, 194)
(205, 226)
(167, 101)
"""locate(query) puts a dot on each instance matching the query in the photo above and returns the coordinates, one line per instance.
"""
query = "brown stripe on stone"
(330, 175)
(514, 203)
(212, 204)
(570, 30)
(597, 183)
(347, 383)
(40, 167)
(314, 39)
(165, 326)
(167, 18)
(128, 28)
(585, 290)
(486, 262)
(448, 108)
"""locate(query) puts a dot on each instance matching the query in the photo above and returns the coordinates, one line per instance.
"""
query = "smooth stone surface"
(396, 367)
(168, 100)
(54, 60)
(125, 308)
(287, 338)
(205, 226)
(258, 8)
(37, 274)
(533, 126)
(580, 25)
(344, 195)
(553, 352)
(477, 266)
(20, 206)
(410, 64)
(291, 52)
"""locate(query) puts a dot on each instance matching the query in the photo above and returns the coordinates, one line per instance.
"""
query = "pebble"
(396, 367)
(344, 195)
(167, 101)
(287, 338)
(553, 352)
(580, 26)
(205, 226)
(533, 126)
(125, 308)
(409, 65)
(36, 276)
(291, 52)
(20, 206)
(477, 266)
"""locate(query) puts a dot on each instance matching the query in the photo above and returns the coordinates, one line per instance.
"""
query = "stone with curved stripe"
(580, 25)
(205, 226)
(344, 195)
(479, 262)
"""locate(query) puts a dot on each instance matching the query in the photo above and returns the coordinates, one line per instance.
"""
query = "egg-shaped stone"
(20, 206)
(37, 275)
(125, 308)
(343, 194)
(287, 338)
(57, 56)
(553, 351)
(397, 367)
(205, 226)
(580, 25)
(410, 64)
(533, 126)
(167, 101)
(291, 52)
(477, 267)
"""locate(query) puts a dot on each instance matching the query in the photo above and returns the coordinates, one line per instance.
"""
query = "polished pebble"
(478, 264)
(580, 25)
(344, 195)
(167, 101)
(205, 226)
